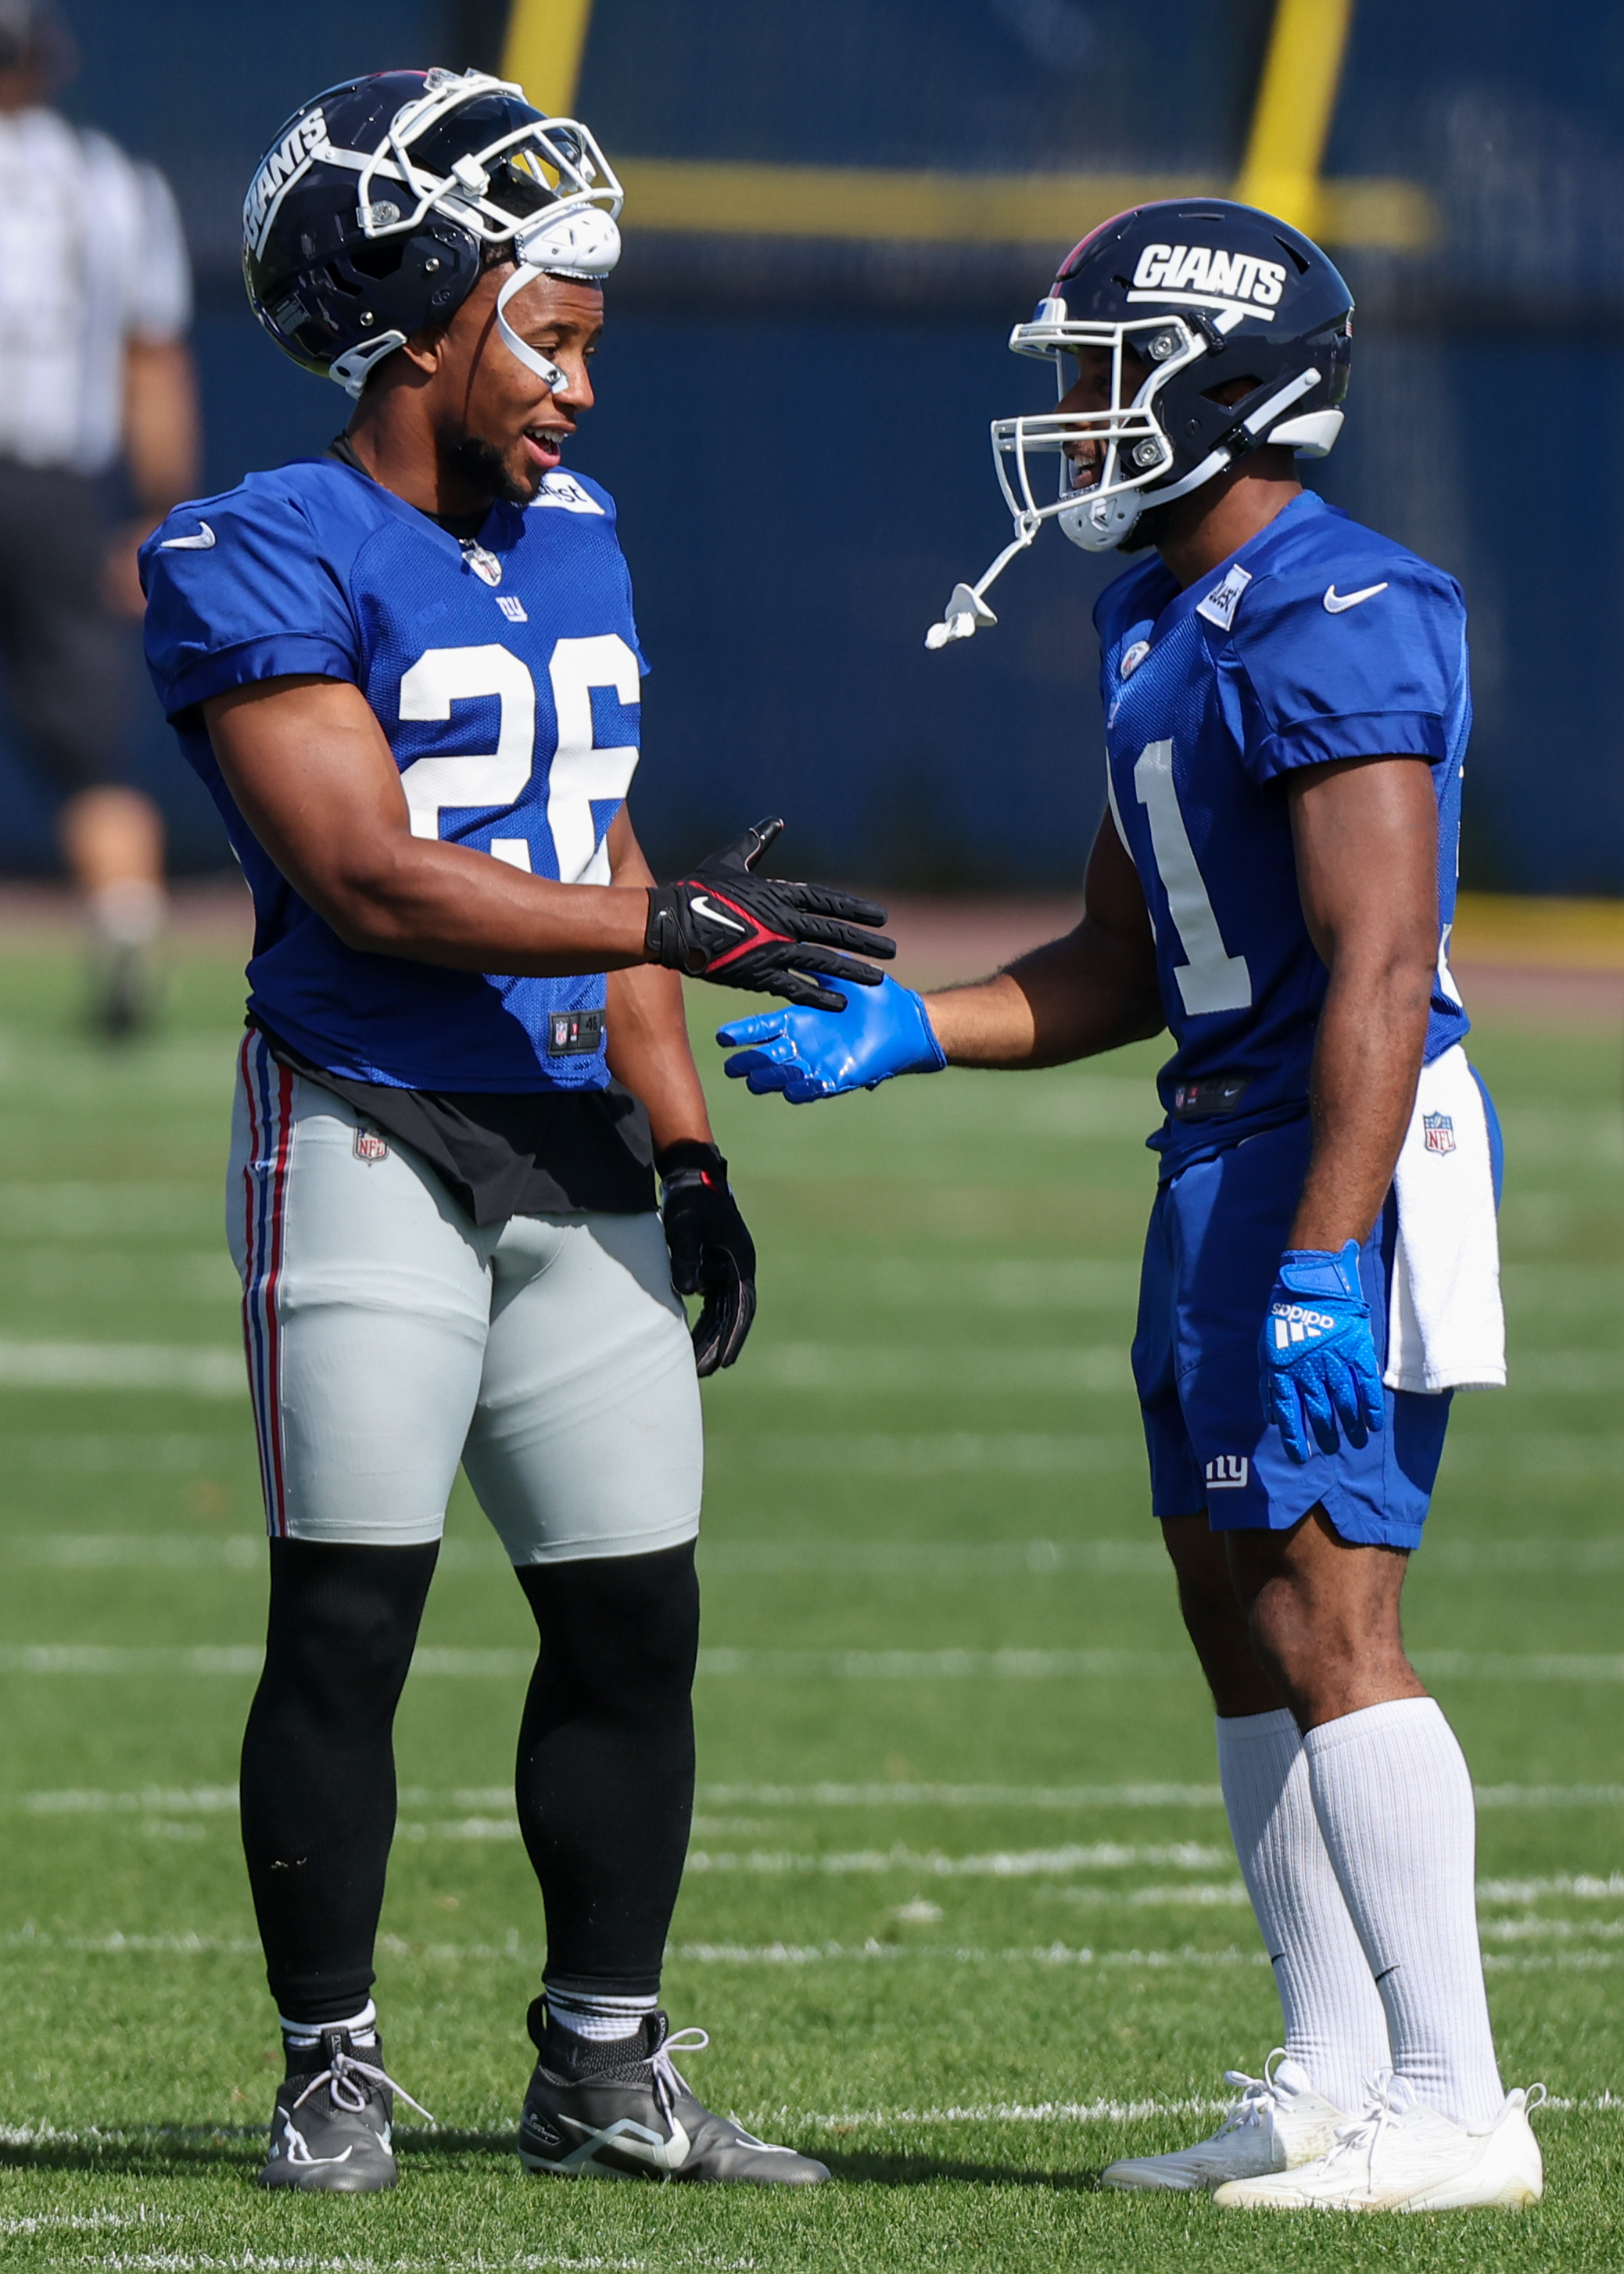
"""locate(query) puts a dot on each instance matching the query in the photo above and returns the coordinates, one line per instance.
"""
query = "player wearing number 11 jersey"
(409, 674)
(1286, 716)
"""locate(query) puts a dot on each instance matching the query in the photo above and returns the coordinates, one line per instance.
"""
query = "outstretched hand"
(725, 924)
(809, 1054)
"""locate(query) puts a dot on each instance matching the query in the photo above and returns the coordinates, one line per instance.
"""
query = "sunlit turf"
(962, 1916)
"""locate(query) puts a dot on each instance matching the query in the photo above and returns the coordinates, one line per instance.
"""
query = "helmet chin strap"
(581, 247)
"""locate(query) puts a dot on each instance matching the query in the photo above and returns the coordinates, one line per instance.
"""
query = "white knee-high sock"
(1393, 1798)
(1335, 2025)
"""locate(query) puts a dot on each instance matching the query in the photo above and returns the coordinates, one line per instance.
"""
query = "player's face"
(1091, 390)
(508, 424)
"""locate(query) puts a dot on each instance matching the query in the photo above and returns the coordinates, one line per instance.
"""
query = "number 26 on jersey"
(581, 774)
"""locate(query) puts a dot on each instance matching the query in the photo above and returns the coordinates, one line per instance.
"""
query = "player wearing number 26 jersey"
(504, 673)
(408, 674)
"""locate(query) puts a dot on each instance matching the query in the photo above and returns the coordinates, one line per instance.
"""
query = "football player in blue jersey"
(1287, 711)
(408, 672)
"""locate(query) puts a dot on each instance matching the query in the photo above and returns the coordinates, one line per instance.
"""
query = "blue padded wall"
(799, 447)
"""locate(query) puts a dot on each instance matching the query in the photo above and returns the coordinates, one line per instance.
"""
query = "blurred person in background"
(94, 301)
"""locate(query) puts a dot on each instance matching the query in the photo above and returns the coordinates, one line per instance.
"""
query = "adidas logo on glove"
(1295, 1324)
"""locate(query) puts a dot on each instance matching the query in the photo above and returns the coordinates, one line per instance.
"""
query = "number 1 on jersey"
(1210, 978)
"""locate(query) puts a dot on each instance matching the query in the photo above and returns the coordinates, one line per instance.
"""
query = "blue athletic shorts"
(1217, 1232)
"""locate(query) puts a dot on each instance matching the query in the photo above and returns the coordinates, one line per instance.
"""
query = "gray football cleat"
(332, 2127)
(632, 2116)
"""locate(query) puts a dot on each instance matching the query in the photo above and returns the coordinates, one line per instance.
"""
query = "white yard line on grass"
(943, 1560)
(1068, 2111)
(1003, 1283)
(84, 1211)
(514, 1951)
(951, 1665)
(478, 1664)
(1022, 1864)
(1144, 1558)
(999, 2112)
(179, 1551)
(1537, 1928)
(1582, 1886)
(970, 1369)
(1014, 1452)
(260, 2261)
(1081, 1798)
(122, 1366)
(81, 2221)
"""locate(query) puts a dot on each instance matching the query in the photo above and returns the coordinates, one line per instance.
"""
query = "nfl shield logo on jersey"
(1440, 1132)
(370, 1147)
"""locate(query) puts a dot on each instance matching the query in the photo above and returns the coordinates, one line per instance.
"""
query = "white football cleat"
(1279, 2122)
(1402, 2157)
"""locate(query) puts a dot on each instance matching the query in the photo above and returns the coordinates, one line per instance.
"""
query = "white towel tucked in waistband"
(1446, 1326)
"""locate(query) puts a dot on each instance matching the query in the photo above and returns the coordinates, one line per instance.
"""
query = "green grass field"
(962, 1916)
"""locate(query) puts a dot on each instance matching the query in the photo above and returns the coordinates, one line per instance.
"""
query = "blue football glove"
(1318, 1357)
(884, 1030)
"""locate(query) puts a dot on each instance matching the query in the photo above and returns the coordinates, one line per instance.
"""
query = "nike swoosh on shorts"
(1335, 601)
(204, 539)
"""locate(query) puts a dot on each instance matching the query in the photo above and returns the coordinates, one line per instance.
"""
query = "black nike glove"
(711, 1253)
(722, 922)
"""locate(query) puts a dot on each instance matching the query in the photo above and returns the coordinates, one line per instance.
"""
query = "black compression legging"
(605, 1766)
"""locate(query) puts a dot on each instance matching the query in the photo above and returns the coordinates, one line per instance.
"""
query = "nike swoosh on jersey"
(1335, 602)
(200, 543)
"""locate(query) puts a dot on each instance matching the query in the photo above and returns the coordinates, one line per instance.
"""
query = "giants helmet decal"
(369, 216)
(1182, 296)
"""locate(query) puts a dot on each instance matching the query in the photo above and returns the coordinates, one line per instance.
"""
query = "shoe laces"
(1365, 2134)
(339, 2075)
(1256, 2094)
(668, 2079)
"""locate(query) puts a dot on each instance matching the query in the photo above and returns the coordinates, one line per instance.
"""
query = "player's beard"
(488, 468)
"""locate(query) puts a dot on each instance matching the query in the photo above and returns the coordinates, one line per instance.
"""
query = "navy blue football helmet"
(377, 204)
(1198, 291)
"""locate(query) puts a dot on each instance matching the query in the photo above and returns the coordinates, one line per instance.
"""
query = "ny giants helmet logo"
(280, 169)
(1204, 268)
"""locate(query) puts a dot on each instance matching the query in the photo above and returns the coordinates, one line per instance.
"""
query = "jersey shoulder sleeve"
(1351, 647)
(254, 584)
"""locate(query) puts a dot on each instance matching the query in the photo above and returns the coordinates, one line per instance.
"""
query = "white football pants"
(389, 1338)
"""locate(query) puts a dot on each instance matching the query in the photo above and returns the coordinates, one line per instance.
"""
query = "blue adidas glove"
(1318, 1355)
(884, 1030)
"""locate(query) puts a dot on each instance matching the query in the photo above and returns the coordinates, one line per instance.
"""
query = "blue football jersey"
(1318, 640)
(506, 676)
